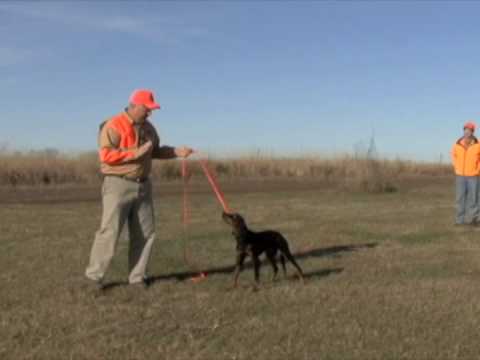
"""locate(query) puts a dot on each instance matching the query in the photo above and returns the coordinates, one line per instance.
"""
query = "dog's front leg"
(238, 267)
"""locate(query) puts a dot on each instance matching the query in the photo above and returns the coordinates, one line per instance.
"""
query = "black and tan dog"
(250, 243)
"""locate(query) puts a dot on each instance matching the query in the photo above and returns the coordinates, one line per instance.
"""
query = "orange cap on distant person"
(144, 97)
(469, 125)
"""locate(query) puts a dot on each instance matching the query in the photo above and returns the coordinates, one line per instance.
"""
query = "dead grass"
(347, 172)
(389, 277)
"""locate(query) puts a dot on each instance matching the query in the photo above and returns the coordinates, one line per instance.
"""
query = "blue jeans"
(467, 199)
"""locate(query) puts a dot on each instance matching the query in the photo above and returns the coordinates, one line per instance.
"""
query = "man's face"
(141, 113)
(467, 132)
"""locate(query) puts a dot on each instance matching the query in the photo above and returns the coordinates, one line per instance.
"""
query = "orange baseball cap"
(144, 97)
(469, 125)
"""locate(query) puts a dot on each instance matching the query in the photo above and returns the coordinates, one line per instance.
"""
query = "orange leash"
(187, 213)
(214, 184)
(186, 208)
(185, 221)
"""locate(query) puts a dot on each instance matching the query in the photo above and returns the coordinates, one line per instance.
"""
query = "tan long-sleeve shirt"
(120, 147)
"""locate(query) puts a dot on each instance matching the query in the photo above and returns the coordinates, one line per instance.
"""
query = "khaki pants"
(124, 201)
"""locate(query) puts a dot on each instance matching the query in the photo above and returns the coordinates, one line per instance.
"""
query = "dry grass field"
(49, 168)
(388, 277)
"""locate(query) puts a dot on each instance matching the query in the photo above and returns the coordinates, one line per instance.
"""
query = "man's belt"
(130, 178)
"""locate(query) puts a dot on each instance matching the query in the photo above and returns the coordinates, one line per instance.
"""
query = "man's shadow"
(331, 251)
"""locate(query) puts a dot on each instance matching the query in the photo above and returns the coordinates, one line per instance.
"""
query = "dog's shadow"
(331, 251)
(316, 252)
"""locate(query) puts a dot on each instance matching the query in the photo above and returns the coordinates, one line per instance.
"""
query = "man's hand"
(144, 149)
(183, 151)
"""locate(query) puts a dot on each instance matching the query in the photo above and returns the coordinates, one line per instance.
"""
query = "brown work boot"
(144, 284)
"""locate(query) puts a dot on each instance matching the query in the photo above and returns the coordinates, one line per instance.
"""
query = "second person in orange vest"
(466, 162)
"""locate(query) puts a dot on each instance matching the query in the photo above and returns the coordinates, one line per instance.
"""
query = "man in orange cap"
(466, 162)
(127, 144)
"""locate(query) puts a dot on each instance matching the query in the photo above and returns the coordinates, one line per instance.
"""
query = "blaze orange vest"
(128, 140)
(466, 159)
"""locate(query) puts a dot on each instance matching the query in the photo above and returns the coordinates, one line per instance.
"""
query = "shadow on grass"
(322, 273)
(304, 254)
(332, 250)
(321, 252)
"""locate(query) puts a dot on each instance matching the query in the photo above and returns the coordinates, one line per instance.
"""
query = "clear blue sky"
(285, 77)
